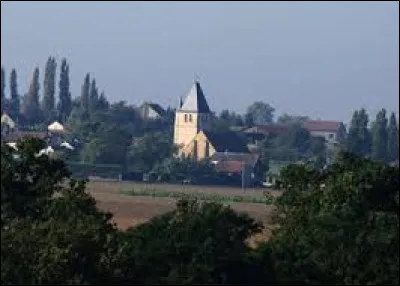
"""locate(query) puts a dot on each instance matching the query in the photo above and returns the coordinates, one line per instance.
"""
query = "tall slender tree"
(380, 136)
(15, 98)
(31, 107)
(65, 101)
(49, 89)
(393, 139)
(3, 87)
(103, 102)
(359, 137)
(85, 94)
(93, 97)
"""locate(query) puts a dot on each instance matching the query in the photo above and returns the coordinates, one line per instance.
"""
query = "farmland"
(149, 200)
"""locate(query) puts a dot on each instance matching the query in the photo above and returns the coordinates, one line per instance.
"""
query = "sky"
(321, 59)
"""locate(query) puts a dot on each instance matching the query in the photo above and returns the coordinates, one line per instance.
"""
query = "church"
(195, 138)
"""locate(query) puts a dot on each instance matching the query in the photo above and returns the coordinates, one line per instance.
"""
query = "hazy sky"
(322, 59)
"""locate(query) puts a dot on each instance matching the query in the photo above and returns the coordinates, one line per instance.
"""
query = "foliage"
(291, 119)
(198, 243)
(49, 89)
(146, 151)
(3, 87)
(226, 120)
(359, 136)
(339, 226)
(65, 102)
(51, 230)
(259, 113)
(15, 98)
(30, 106)
(380, 137)
(393, 139)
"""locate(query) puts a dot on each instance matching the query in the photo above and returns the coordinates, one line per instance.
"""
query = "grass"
(150, 192)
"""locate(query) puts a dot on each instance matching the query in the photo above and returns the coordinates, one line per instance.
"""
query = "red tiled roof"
(229, 166)
(322, 125)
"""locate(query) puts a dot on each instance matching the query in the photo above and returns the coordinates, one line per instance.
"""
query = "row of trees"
(380, 142)
(35, 108)
(53, 233)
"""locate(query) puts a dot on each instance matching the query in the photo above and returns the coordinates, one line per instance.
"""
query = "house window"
(190, 118)
(186, 118)
(207, 151)
(330, 135)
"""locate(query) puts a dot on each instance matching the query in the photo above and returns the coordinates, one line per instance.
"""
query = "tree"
(51, 230)
(216, 254)
(380, 136)
(49, 86)
(93, 97)
(291, 119)
(393, 139)
(103, 103)
(30, 107)
(3, 86)
(146, 151)
(359, 137)
(65, 101)
(259, 113)
(339, 226)
(15, 99)
(85, 94)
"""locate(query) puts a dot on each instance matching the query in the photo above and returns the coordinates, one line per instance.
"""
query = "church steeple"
(195, 100)
(192, 116)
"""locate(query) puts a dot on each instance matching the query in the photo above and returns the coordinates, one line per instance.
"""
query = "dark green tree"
(49, 89)
(30, 106)
(51, 231)
(380, 136)
(393, 139)
(291, 119)
(3, 87)
(103, 103)
(198, 243)
(359, 139)
(339, 226)
(259, 113)
(15, 98)
(85, 94)
(65, 101)
(93, 97)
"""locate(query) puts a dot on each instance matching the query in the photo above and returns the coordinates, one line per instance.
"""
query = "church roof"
(195, 100)
(226, 141)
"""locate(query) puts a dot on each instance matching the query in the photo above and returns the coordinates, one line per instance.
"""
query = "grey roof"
(195, 100)
(157, 108)
(226, 142)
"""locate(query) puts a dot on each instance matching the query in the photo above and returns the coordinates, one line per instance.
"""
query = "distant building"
(195, 138)
(151, 111)
(8, 125)
(332, 131)
(257, 133)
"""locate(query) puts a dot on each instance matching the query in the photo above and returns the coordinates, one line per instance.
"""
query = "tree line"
(38, 108)
(338, 226)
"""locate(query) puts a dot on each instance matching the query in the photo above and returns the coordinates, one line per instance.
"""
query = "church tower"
(192, 116)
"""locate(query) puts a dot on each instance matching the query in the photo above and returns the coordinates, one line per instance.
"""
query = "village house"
(332, 131)
(151, 111)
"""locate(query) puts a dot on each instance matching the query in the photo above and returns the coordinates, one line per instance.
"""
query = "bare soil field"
(129, 211)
